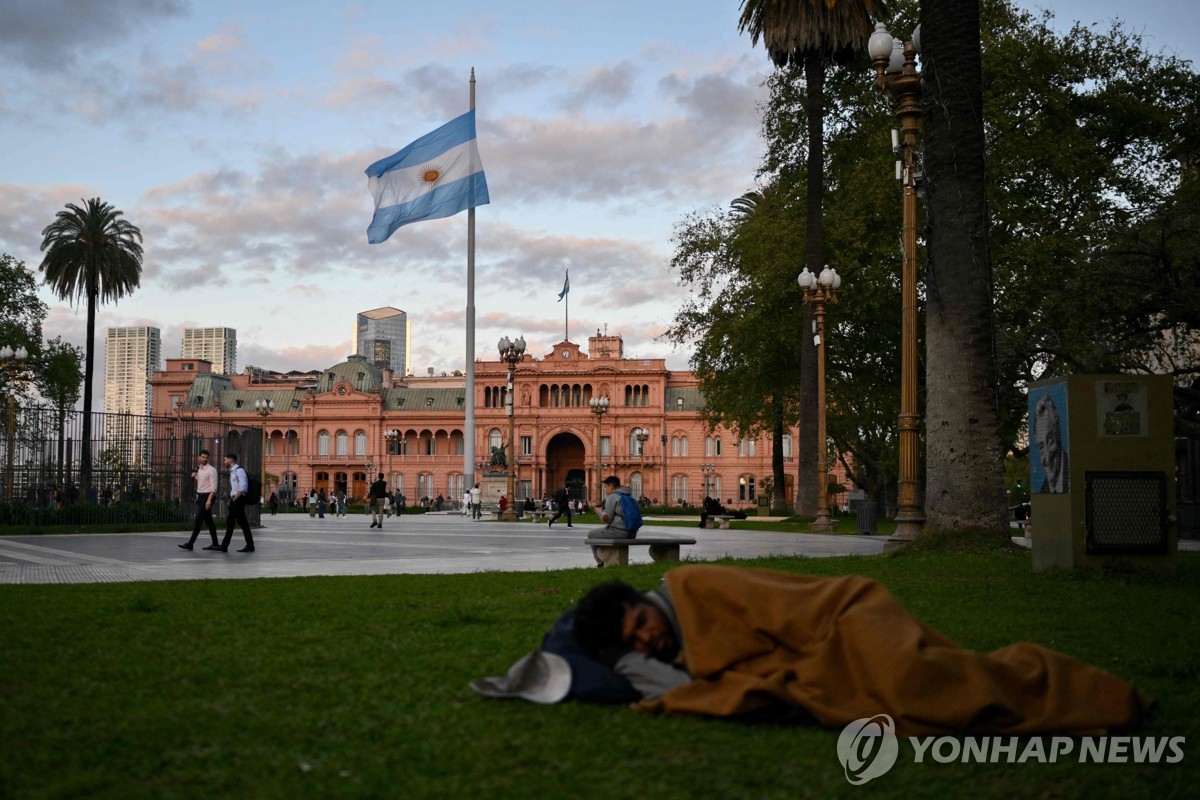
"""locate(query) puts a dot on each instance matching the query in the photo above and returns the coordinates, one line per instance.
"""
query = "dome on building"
(361, 374)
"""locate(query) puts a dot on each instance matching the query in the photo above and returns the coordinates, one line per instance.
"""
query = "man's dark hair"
(599, 618)
(205, 453)
(613, 481)
(232, 457)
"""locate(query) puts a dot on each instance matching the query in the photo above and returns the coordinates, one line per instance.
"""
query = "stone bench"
(718, 521)
(615, 552)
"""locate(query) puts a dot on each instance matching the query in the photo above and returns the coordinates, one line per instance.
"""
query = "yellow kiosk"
(1102, 466)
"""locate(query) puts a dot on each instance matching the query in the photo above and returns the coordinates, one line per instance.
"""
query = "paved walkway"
(293, 545)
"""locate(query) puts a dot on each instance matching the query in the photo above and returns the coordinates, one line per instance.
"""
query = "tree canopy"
(1095, 247)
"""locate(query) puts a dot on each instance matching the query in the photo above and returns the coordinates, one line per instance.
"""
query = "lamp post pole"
(820, 290)
(599, 408)
(511, 353)
(13, 363)
(896, 75)
(392, 437)
(709, 470)
(642, 435)
(264, 408)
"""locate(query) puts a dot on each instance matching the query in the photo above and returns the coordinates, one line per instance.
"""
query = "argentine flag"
(436, 176)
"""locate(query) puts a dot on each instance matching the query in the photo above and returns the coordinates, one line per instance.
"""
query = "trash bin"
(868, 517)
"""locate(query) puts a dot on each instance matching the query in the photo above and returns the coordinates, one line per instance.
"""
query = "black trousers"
(203, 515)
(237, 513)
(565, 508)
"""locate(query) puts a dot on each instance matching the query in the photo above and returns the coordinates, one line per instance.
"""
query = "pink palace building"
(355, 419)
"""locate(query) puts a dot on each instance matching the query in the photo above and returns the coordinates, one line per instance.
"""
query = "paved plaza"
(293, 545)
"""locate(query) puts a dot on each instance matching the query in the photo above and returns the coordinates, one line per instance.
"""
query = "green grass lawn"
(357, 687)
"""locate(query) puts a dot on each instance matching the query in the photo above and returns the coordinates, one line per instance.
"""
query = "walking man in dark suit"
(239, 485)
(562, 505)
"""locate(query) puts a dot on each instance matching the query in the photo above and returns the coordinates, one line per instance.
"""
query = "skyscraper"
(131, 356)
(382, 335)
(216, 345)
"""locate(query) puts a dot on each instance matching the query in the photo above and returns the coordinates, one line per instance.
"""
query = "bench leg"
(723, 524)
(615, 556)
(664, 552)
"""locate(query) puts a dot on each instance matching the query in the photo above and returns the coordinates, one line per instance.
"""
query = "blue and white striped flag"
(436, 176)
(566, 287)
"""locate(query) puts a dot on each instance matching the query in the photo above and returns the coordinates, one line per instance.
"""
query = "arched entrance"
(565, 464)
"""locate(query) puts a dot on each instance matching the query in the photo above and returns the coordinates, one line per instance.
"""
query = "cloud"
(602, 86)
(49, 35)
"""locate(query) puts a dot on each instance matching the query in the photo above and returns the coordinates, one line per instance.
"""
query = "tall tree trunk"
(779, 503)
(964, 461)
(85, 446)
(807, 457)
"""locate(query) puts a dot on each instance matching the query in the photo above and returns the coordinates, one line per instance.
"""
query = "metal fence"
(141, 467)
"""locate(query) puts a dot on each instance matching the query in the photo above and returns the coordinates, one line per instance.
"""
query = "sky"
(235, 134)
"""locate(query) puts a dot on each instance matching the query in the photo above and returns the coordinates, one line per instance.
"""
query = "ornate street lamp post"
(599, 408)
(821, 290)
(709, 470)
(896, 75)
(13, 363)
(394, 440)
(511, 353)
(264, 408)
(641, 434)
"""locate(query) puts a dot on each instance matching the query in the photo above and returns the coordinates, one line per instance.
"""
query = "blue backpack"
(630, 512)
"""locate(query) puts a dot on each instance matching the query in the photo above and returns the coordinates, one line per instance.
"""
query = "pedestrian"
(375, 496)
(239, 485)
(312, 503)
(274, 503)
(503, 503)
(466, 502)
(341, 502)
(437, 504)
(205, 476)
(562, 505)
(476, 502)
(321, 504)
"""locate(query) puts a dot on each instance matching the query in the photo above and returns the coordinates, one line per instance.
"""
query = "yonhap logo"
(868, 748)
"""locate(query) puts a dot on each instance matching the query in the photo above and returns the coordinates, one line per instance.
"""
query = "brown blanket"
(844, 648)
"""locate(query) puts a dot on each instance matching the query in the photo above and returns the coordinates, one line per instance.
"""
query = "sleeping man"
(725, 641)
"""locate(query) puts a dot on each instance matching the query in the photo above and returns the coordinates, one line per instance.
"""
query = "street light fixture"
(820, 290)
(264, 408)
(394, 439)
(599, 408)
(511, 353)
(896, 75)
(709, 470)
(641, 434)
(13, 363)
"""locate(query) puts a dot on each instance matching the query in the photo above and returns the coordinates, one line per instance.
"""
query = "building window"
(674, 445)
(708, 446)
(635, 485)
(323, 443)
(341, 442)
(635, 447)
(430, 447)
(787, 445)
(360, 443)
(679, 489)
(495, 439)
(746, 488)
(526, 445)
(605, 446)
(683, 445)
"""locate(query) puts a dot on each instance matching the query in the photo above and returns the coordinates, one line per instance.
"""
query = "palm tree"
(964, 484)
(812, 33)
(91, 253)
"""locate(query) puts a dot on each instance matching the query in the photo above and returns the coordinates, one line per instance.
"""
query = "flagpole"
(469, 422)
(567, 312)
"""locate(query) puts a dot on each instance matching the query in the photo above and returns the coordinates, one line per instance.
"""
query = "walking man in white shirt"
(205, 476)
(239, 485)
(476, 501)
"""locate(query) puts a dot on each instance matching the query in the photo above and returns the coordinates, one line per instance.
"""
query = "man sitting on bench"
(610, 514)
